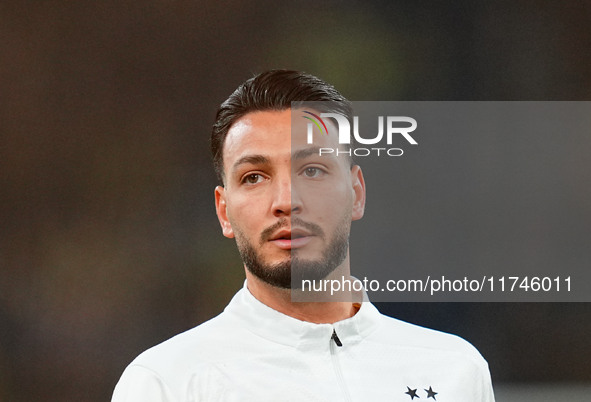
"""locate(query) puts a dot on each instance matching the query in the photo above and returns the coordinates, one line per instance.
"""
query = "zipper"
(334, 343)
(335, 338)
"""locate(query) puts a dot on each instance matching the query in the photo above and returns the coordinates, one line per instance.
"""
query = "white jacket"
(251, 352)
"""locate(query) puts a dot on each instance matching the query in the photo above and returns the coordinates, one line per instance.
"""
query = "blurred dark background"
(109, 242)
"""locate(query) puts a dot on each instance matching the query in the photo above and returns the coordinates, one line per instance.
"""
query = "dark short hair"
(271, 90)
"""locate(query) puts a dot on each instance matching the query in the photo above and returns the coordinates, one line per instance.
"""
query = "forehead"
(272, 132)
(258, 130)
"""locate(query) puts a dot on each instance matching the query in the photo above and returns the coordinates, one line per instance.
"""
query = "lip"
(291, 239)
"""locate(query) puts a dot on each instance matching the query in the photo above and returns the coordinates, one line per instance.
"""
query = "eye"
(313, 172)
(252, 178)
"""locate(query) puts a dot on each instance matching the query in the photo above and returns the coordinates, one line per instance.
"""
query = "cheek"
(244, 212)
(332, 199)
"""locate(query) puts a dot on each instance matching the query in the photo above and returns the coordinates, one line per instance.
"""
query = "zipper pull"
(335, 338)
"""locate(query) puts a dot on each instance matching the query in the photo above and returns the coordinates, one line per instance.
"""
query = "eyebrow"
(251, 160)
(306, 152)
(263, 160)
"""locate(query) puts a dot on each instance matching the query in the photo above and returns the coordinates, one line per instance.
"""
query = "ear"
(358, 185)
(221, 211)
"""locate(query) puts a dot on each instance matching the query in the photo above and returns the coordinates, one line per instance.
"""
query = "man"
(278, 201)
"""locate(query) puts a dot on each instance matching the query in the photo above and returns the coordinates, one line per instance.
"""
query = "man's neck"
(326, 312)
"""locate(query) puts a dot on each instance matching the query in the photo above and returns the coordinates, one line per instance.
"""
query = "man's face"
(287, 206)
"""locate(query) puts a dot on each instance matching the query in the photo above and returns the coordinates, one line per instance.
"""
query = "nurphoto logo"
(392, 126)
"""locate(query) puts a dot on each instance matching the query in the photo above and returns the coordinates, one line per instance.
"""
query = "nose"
(285, 200)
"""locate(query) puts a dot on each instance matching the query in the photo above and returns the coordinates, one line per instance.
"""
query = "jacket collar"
(277, 327)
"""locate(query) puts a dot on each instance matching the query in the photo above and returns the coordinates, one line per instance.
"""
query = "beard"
(289, 274)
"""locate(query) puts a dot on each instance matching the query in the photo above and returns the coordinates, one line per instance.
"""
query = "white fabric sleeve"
(487, 394)
(140, 384)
